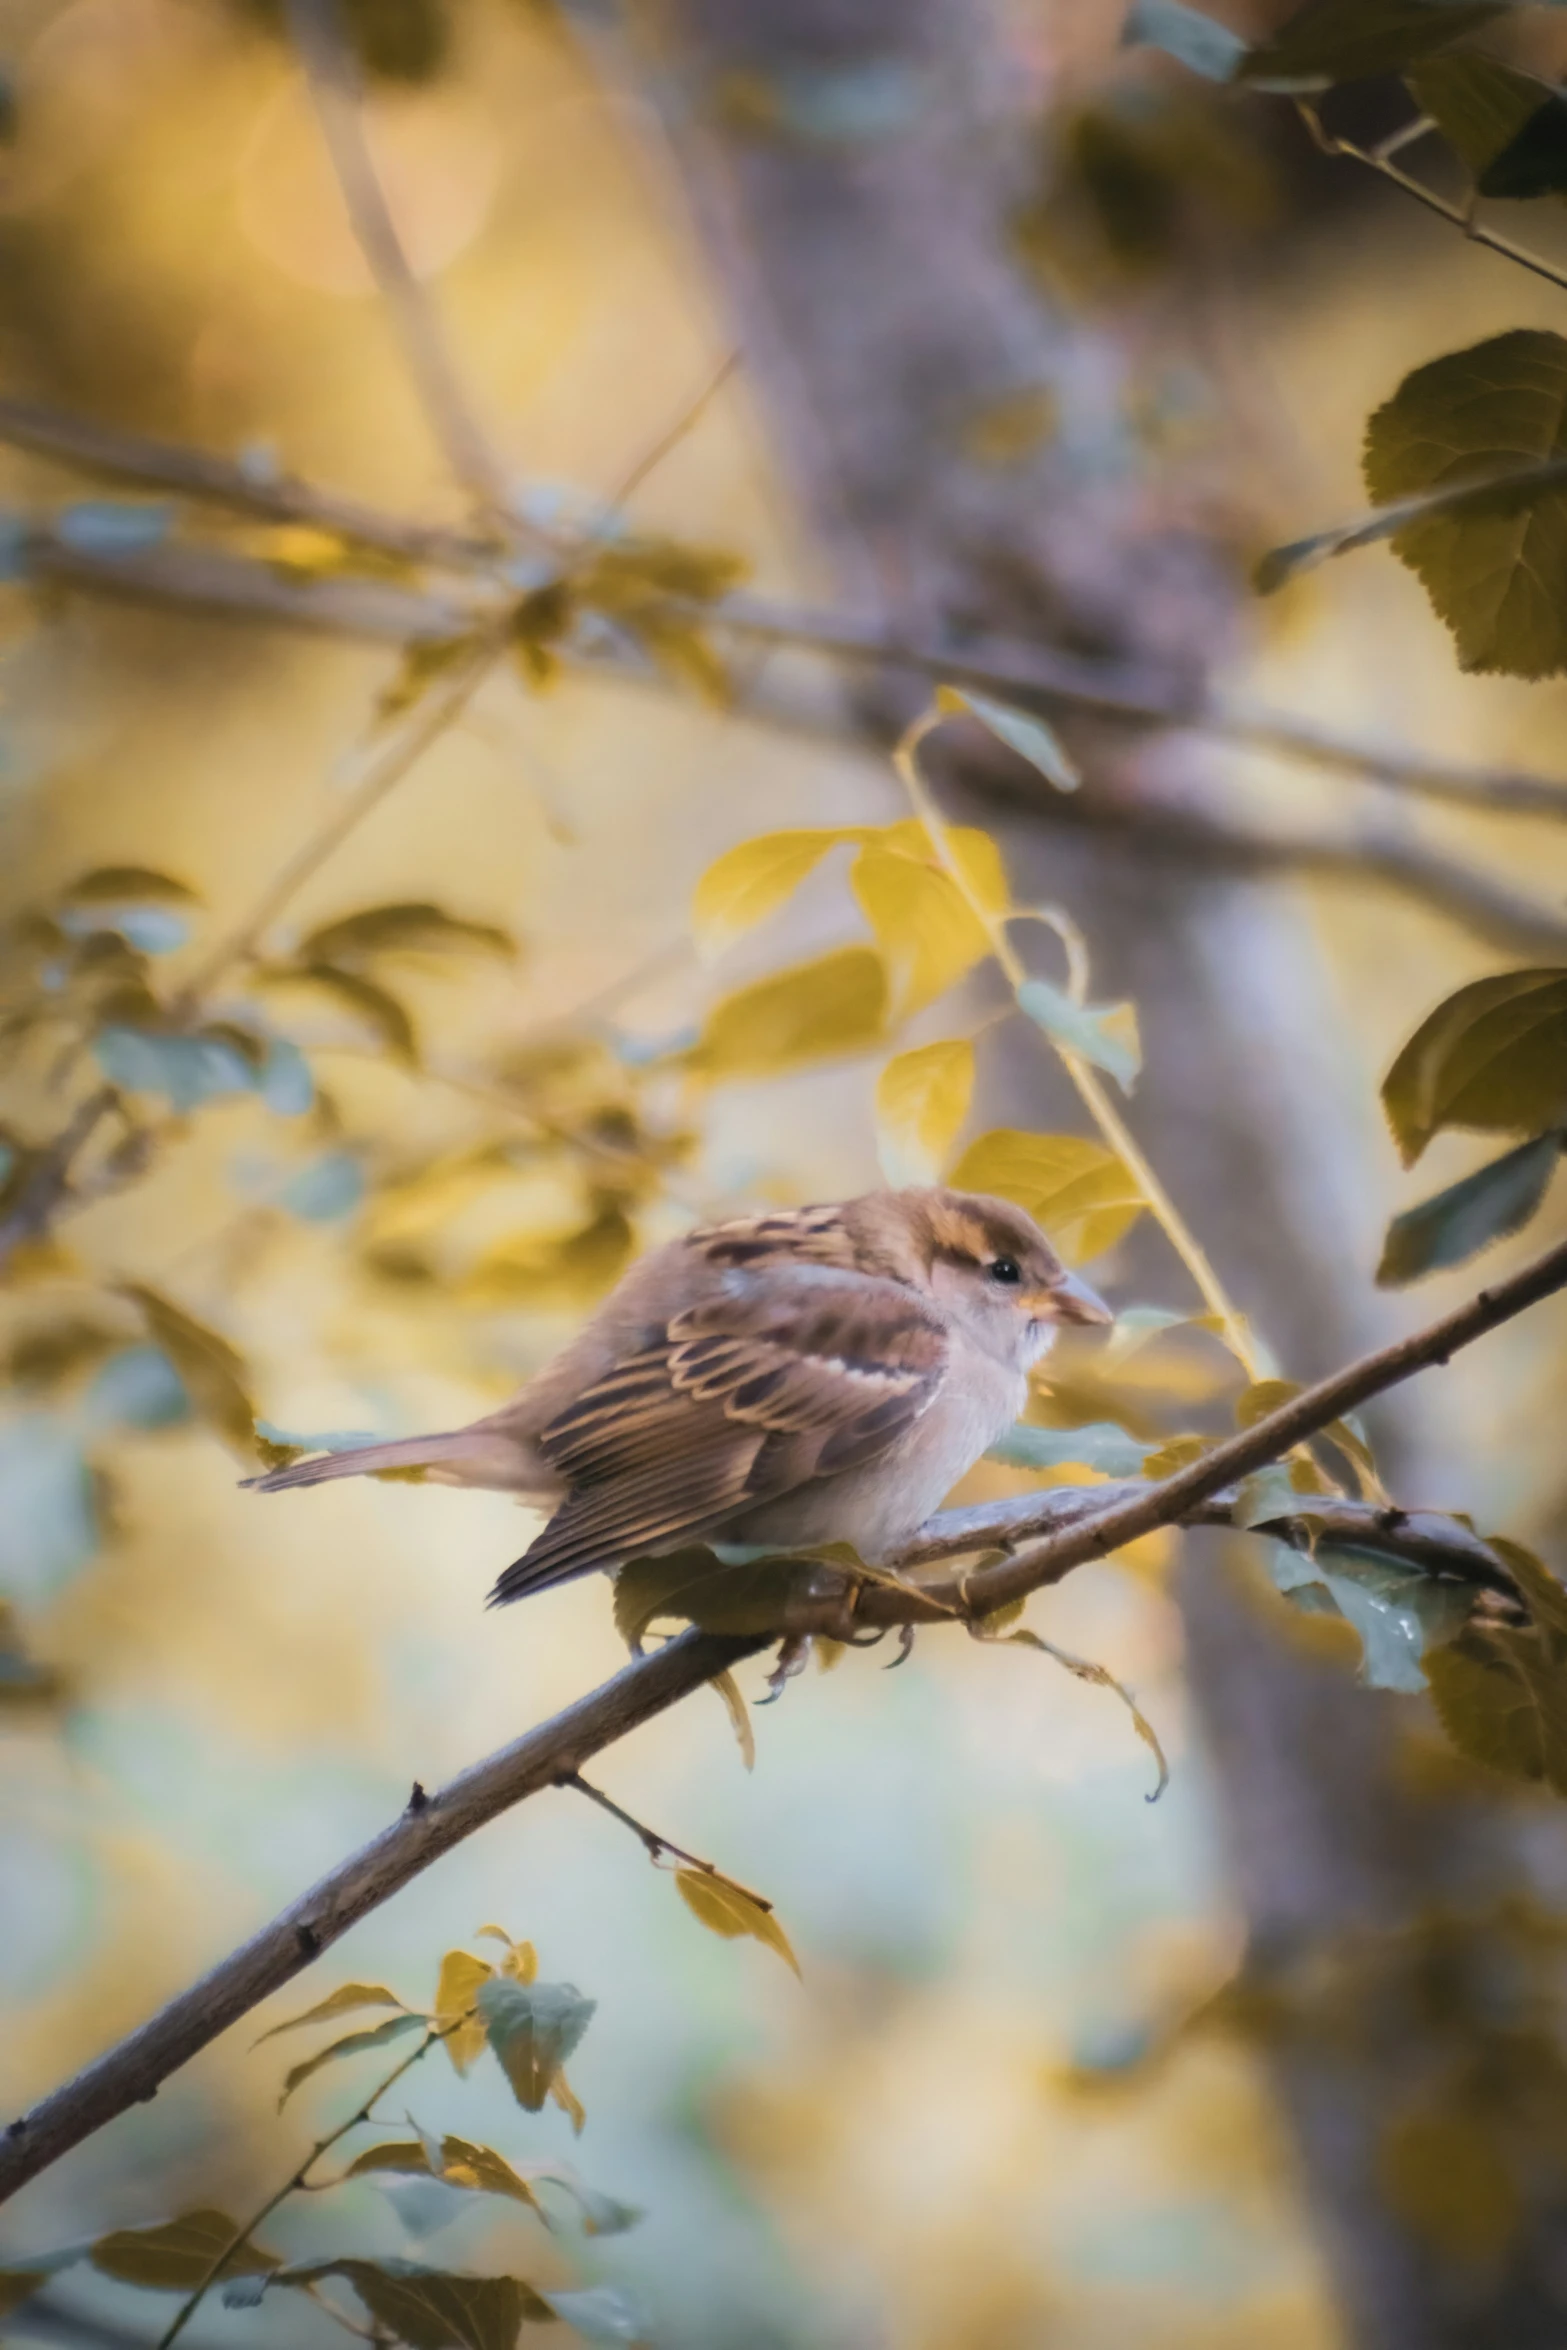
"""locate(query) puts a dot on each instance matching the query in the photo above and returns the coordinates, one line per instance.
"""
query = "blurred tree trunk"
(850, 164)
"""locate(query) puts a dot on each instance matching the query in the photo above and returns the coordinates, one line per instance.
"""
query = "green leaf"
(354, 2044)
(533, 2028)
(1400, 1613)
(599, 2313)
(750, 882)
(1105, 1034)
(696, 1587)
(811, 1012)
(1493, 1058)
(1208, 48)
(431, 2308)
(1020, 730)
(1544, 1592)
(1454, 1225)
(1482, 107)
(1331, 41)
(370, 1002)
(343, 2001)
(211, 1372)
(1101, 1445)
(1498, 577)
(1503, 1702)
(186, 1070)
(1535, 162)
(415, 928)
(1075, 1190)
(922, 1098)
(178, 2254)
(732, 1910)
(1266, 1496)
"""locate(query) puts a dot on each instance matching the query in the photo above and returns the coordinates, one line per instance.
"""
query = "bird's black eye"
(1005, 1269)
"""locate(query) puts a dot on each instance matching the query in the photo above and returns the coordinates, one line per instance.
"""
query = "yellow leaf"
(922, 1098)
(728, 1909)
(340, 2002)
(739, 1714)
(455, 1992)
(836, 1004)
(563, 2095)
(1178, 1453)
(928, 933)
(746, 884)
(1078, 1193)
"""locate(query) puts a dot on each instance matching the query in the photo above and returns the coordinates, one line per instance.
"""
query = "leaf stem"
(243, 2235)
(1091, 1093)
(656, 1844)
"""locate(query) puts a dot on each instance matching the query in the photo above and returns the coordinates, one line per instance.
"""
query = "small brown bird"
(814, 1375)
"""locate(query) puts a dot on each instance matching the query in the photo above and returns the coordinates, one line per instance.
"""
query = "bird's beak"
(1070, 1300)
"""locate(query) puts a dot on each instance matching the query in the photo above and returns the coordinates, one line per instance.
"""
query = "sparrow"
(799, 1377)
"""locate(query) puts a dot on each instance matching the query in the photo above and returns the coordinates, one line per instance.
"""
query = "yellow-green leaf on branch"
(212, 1373)
(922, 1099)
(1454, 1225)
(1078, 1193)
(354, 2044)
(177, 2255)
(461, 1978)
(814, 1011)
(1492, 1057)
(729, 1909)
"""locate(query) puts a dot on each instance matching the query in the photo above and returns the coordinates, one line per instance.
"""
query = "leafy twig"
(1100, 1521)
(243, 2234)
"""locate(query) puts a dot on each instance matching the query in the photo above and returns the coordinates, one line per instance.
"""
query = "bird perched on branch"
(814, 1375)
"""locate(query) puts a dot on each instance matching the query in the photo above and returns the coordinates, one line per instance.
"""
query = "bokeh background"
(961, 2127)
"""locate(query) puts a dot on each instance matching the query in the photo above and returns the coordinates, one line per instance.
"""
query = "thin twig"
(1378, 160)
(653, 456)
(48, 1179)
(386, 761)
(656, 1845)
(243, 2234)
(214, 579)
(1053, 1533)
(1096, 1100)
(333, 76)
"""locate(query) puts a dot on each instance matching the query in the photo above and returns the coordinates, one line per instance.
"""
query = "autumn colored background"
(943, 2134)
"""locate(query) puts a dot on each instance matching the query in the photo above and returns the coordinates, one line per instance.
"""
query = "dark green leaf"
(698, 1588)
(210, 1371)
(431, 2308)
(1535, 163)
(1331, 41)
(177, 2255)
(1503, 1702)
(1498, 577)
(354, 2044)
(1208, 48)
(1483, 107)
(370, 1002)
(532, 2028)
(416, 928)
(1493, 1057)
(1454, 1225)
(1544, 1592)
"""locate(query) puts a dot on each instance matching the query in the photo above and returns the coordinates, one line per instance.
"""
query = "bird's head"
(979, 1257)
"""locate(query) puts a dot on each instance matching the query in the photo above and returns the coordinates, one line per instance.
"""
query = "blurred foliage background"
(980, 2119)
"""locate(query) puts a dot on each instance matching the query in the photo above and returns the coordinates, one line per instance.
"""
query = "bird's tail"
(453, 1456)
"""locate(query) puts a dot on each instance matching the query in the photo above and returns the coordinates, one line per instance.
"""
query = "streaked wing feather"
(778, 1379)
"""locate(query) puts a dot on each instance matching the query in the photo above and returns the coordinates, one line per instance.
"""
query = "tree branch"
(1058, 1529)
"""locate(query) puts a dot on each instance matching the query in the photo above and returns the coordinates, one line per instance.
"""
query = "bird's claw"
(905, 1648)
(794, 1654)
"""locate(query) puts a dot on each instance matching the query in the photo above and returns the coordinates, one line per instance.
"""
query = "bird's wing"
(783, 1375)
